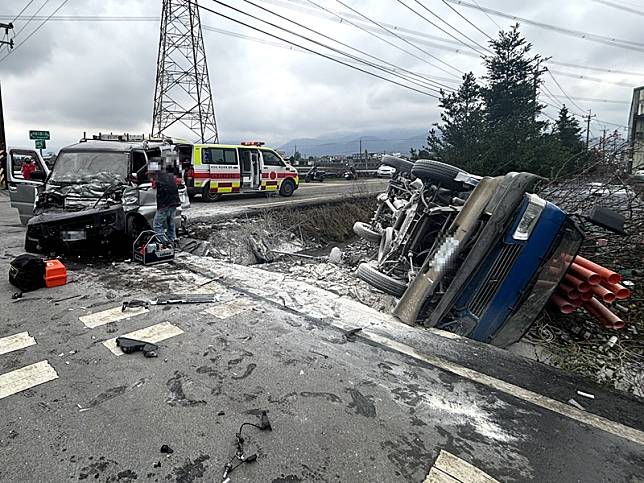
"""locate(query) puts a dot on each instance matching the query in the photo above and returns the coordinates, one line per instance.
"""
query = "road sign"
(38, 134)
(40, 144)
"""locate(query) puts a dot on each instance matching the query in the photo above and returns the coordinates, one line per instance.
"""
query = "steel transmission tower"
(182, 95)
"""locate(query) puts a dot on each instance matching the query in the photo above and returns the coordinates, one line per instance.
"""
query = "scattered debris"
(166, 449)
(335, 256)
(349, 335)
(134, 303)
(585, 394)
(264, 425)
(128, 346)
(572, 402)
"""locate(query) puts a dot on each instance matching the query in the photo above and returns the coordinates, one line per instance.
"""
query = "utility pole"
(588, 118)
(6, 27)
(182, 96)
(360, 151)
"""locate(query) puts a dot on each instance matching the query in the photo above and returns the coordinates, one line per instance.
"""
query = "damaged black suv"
(97, 197)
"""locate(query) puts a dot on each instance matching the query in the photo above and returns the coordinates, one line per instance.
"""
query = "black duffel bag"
(27, 272)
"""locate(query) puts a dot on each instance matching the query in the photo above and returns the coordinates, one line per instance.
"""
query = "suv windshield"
(90, 167)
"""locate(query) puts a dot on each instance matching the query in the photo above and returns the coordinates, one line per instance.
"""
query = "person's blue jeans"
(164, 225)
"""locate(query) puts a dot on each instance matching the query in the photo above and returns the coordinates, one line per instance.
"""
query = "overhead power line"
(592, 79)
(321, 54)
(21, 11)
(398, 36)
(435, 86)
(316, 42)
(33, 32)
(466, 19)
(563, 91)
(621, 7)
(31, 18)
(613, 41)
(368, 31)
(443, 30)
(345, 19)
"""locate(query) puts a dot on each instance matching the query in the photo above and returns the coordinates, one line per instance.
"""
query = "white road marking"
(26, 378)
(154, 333)
(437, 476)
(345, 313)
(110, 315)
(450, 468)
(231, 308)
(540, 400)
(15, 342)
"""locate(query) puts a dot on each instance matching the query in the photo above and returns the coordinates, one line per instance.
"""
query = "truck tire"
(364, 231)
(208, 196)
(401, 165)
(287, 188)
(439, 173)
(382, 282)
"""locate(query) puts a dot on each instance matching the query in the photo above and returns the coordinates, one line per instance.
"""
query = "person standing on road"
(167, 202)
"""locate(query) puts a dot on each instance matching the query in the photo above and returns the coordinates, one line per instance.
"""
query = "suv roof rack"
(126, 137)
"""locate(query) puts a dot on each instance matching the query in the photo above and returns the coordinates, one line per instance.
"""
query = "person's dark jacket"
(167, 191)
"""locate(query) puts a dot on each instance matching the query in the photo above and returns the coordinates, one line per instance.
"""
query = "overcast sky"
(74, 76)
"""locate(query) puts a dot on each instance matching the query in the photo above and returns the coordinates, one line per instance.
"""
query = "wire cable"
(31, 18)
(433, 85)
(625, 44)
(466, 19)
(240, 22)
(620, 7)
(443, 30)
(398, 36)
(21, 11)
(34, 31)
(344, 19)
(563, 91)
(370, 64)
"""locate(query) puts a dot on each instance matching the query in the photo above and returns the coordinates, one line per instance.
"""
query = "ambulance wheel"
(209, 196)
(288, 188)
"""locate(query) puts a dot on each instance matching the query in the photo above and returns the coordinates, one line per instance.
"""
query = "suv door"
(22, 192)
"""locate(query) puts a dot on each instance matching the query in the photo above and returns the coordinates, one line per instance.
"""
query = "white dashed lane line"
(14, 342)
(26, 378)
(110, 315)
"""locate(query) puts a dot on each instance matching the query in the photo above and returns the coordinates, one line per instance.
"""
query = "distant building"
(636, 130)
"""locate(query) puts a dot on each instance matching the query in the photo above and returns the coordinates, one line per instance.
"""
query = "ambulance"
(212, 170)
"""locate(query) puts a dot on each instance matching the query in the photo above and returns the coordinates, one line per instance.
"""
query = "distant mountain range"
(389, 141)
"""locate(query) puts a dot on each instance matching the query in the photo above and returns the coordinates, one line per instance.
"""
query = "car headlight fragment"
(530, 217)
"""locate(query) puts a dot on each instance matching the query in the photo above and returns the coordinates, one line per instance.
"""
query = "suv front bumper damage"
(90, 230)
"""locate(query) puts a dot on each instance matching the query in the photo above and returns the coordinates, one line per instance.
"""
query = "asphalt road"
(306, 194)
(393, 403)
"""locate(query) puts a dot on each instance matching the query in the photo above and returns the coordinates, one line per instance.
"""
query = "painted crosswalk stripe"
(451, 469)
(26, 378)
(14, 342)
(110, 315)
(229, 309)
(154, 333)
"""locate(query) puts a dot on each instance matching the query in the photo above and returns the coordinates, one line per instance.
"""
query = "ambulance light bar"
(252, 143)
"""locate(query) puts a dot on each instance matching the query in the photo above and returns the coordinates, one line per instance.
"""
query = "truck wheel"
(439, 173)
(401, 165)
(209, 196)
(287, 188)
(379, 280)
(364, 231)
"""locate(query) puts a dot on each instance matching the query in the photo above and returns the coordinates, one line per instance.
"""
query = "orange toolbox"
(55, 273)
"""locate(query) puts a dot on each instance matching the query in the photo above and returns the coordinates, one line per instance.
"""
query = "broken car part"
(128, 346)
(171, 299)
(240, 456)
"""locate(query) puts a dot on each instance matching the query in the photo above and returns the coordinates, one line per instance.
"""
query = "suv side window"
(271, 159)
(19, 158)
(224, 156)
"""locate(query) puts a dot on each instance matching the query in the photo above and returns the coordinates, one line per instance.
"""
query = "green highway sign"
(40, 144)
(38, 134)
